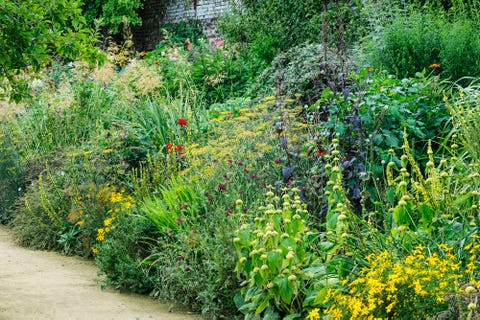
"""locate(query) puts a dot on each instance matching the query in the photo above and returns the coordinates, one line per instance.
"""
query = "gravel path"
(37, 285)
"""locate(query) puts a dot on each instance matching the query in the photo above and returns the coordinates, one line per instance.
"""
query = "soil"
(38, 285)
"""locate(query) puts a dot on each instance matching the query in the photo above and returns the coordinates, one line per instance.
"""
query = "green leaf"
(238, 300)
(263, 305)
(270, 314)
(273, 260)
(322, 294)
(325, 246)
(286, 293)
(391, 140)
(399, 215)
(315, 272)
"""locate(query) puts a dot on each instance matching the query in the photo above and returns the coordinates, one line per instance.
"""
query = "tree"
(34, 31)
(113, 13)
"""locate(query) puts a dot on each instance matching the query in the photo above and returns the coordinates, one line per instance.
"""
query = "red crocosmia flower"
(178, 148)
(168, 146)
(182, 121)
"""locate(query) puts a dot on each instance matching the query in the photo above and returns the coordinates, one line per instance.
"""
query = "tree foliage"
(269, 26)
(113, 13)
(32, 32)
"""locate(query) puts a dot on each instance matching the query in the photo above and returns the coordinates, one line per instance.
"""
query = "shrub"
(418, 41)
(273, 253)
(269, 27)
(367, 120)
(119, 257)
(305, 70)
(214, 70)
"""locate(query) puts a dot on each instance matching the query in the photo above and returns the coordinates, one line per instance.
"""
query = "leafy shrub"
(418, 41)
(112, 13)
(305, 70)
(59, 29)
(119, 257)
(269, 27)
(215, 71)
(460, 50)
(273, 255)
(368, 119)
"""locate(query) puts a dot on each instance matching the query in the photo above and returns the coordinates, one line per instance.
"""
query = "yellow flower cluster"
(395, 288)
(115, 202)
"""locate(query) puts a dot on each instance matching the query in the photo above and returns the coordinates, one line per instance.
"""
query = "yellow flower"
(313, 314)
(101, 235)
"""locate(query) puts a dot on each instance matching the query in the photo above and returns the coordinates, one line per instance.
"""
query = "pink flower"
(188, 44)
(217, 43)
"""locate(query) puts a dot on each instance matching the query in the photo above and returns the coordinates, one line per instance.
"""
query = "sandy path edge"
(38, 285)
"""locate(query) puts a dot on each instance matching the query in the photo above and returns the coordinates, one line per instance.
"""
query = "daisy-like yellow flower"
(313, 314)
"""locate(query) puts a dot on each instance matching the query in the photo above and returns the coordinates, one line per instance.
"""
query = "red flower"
(321, 151)
(182, 121)
(178, 148)
(168, 146)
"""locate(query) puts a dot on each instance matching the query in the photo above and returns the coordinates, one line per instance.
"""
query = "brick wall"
(156, 13)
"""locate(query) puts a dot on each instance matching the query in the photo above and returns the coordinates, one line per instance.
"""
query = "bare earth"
(37, 285)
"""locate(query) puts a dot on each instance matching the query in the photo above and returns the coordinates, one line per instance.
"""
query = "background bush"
(417, 40)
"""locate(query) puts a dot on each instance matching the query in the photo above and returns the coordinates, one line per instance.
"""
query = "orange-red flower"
(168, 146)
(178, 148)
(321, 152)
(182, 121)
(434, 66)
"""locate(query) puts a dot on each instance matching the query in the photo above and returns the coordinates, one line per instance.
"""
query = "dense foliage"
(31, 33)
(272, 177)
(112, 14)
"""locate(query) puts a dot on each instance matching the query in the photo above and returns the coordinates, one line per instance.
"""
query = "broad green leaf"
(286, 293)
(263, 305)
(273, 260)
